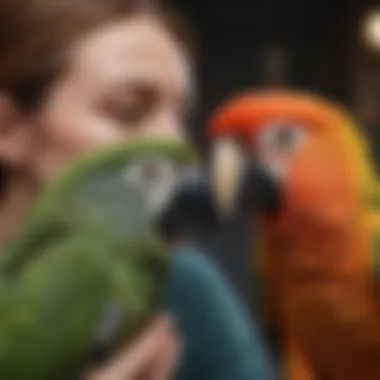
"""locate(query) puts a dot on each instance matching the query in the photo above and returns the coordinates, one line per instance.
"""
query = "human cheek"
(70, 137)
(86, 132)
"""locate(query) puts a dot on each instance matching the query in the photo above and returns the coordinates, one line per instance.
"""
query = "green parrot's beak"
(191, 206)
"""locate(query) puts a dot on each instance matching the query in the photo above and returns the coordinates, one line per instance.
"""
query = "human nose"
(167, 127)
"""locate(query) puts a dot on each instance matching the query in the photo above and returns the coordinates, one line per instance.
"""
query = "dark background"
(308, 44)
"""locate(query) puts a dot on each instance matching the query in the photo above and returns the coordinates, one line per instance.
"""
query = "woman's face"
(126, 78)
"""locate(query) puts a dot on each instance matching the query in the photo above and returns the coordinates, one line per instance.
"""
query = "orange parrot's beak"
(231, 185)
(238, 184)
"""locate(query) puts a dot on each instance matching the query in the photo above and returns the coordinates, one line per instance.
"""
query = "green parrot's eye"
(155, 178)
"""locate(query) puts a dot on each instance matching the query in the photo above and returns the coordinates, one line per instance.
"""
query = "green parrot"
(86, 272)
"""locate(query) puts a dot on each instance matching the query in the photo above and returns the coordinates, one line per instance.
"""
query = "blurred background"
(330, 47)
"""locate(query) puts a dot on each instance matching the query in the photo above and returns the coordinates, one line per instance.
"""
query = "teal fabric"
(220, 340)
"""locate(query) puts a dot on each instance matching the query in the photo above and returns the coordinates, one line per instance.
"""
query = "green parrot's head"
(131, 189)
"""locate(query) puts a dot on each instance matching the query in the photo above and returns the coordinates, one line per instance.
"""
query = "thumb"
(134, 359)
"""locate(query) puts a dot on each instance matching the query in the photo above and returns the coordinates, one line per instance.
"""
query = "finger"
(146, 345)
(166, 363)
(134, 359)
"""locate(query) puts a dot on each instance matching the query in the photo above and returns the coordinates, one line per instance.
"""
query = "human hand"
(153, 355)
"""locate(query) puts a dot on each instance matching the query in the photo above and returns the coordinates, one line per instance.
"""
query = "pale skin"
(153, 356)
(125, 78)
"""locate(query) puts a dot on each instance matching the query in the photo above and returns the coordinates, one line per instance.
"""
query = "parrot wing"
(75, 304)
(47, 313)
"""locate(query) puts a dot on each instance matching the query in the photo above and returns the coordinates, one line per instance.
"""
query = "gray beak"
(239, 184)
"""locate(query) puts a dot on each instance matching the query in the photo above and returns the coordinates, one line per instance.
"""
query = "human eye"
(131, 107)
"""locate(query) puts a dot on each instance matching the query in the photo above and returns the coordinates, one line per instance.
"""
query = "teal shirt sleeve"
(220, 341)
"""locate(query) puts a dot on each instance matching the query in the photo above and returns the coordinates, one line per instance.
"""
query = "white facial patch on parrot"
(275, 145)
(127, 199)
(156, 180)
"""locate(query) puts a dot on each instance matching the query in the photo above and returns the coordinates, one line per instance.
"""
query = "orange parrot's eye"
(281, 137)
(276, 142)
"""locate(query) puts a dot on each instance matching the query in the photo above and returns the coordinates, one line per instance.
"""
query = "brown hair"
(34, 35)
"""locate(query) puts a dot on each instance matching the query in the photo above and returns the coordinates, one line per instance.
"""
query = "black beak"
(191, 206)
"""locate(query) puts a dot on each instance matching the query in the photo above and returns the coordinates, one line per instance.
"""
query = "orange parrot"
(301, 168)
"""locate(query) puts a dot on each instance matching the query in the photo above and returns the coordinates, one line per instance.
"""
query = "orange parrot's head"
(295, 160)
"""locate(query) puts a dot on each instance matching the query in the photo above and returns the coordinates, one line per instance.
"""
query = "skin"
(125, 78)
(143, 358)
